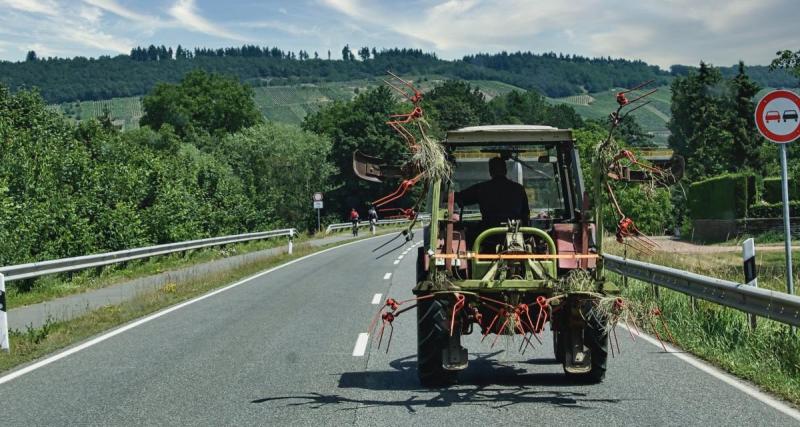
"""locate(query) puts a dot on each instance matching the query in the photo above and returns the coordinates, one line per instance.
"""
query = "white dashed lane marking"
(377, 298)
(361, 344)
(387, 276)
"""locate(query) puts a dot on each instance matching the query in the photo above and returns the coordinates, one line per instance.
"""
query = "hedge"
(722, 197)
(772, 190)
(774, 210)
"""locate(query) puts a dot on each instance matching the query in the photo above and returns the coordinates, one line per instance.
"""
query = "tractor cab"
(541, 159)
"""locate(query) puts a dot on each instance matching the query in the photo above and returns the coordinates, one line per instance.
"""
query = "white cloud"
(34, 6)
(284, 27)
(91, 14)
(185, 13)
(119, 10)
(661, 32)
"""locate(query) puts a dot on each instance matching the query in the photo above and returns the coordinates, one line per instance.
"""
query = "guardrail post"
(291, 236)
(4, 345)
(750, 272)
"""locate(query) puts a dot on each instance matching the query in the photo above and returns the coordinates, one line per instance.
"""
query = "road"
(279, 350)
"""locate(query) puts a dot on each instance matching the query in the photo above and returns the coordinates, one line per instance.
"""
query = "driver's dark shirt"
(499, 199)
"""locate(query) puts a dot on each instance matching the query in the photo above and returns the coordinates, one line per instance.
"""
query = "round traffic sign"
(777, 116)
(317, 197)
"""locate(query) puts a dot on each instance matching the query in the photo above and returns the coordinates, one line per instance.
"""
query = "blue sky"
(661, 32)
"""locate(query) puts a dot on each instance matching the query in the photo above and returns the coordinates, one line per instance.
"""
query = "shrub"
(722, 197)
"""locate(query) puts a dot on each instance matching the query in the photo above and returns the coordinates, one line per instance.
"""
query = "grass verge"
(32, 344)
(768, 357)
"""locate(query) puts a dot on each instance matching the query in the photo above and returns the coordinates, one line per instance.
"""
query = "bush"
(722, 197)
(773, 192)
(774, 210)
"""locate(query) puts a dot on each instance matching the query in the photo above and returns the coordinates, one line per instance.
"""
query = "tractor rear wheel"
(433, 334)
(595, 339)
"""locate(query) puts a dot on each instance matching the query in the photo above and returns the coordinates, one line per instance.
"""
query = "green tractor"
(511, 277)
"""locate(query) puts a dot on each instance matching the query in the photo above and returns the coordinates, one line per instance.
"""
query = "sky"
(660, 32)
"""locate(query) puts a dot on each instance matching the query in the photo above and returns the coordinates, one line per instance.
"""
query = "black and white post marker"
(750, 273)
(3, 316)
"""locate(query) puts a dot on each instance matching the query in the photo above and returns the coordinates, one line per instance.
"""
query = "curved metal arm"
(551, 246)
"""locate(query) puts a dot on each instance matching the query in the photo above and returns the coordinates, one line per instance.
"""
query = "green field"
(288, 104)
(291, 104)
(652, 117)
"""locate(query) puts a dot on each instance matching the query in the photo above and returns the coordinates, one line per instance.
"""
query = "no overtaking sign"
(777, 116)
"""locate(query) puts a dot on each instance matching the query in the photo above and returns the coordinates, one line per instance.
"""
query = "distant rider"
(373, 219)
(354, 219)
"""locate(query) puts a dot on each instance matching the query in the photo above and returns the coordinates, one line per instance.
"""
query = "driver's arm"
(470, 196)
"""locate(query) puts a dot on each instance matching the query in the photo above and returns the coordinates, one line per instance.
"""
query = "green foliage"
(79, 78)
(787, 60)
(456, 104)
(202, 102)
(773, 192)
(532, 108)
(69, 190)
(280, 166)
(360, 125)
(722, 197)
(774, 210)
(712, 123)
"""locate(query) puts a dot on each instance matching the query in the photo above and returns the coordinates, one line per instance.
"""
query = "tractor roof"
(511, 134)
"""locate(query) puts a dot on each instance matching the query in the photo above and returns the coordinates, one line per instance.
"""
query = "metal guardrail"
(36, 269)
(348, 225)
(773, 305)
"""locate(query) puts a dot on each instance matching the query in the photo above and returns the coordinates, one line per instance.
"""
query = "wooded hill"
(554, 75)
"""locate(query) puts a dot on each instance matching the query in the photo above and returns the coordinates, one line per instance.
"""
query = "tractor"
(513, 276)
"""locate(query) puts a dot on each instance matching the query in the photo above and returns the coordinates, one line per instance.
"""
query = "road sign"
(317, 205)
(317, 197)
(777, 119)
(778, 116)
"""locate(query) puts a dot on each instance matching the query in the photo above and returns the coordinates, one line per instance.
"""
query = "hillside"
(287, 104)
(65, 80)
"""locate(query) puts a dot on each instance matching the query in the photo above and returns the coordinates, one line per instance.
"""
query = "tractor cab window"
(535, 169)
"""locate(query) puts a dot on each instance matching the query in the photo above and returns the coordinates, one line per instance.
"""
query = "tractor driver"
(499, 199)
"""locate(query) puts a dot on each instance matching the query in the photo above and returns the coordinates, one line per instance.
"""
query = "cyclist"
(372, 214)
(355, 220)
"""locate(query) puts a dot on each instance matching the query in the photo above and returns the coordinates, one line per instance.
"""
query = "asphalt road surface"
(283, 349)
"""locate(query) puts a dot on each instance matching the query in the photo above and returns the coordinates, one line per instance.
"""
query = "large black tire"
(433, 333)
(595, 338)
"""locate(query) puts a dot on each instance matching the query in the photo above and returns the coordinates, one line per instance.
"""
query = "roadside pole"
(750, 272)
(4, 345)
(787, 229)
(318, 206)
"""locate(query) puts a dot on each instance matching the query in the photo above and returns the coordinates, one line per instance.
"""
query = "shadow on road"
(485, 383)
(403, 243)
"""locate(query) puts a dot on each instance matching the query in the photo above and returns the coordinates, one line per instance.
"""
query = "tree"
(456, 104)
(31, 56)
(346, 54)
(788, 60)
(201, 102)
(698, 123)
(741, 124)
(363, 53)
(359, 124)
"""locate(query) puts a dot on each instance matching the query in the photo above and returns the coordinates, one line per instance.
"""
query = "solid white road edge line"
(361, 344)
(115, 332)
(387, 276)
(377, 298)
(726, 378)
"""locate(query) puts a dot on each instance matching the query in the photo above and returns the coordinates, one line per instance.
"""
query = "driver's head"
(497, 167)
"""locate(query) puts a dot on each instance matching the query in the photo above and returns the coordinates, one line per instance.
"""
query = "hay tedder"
(517, 277)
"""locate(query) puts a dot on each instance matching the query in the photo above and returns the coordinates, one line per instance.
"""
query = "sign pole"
(319, 227)
(786, 227)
